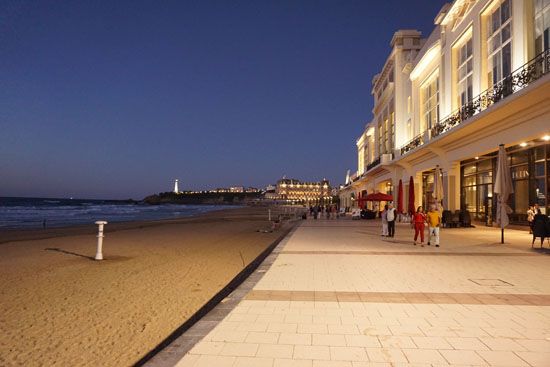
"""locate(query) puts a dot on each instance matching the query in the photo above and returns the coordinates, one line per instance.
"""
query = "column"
(418, 194)
(451, 187)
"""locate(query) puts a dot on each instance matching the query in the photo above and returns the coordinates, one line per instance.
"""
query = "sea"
(47, 212)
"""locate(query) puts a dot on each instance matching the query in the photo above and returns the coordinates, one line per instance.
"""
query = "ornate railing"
(412, 144)
(373, 164)
(517, 80)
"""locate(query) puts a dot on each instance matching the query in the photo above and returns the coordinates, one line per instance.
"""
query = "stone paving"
(338, 294)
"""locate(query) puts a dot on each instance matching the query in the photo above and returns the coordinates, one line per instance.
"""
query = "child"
(419, 218)
(434, 221)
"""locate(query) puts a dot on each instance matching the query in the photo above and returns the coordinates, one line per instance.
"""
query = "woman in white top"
(530, 218)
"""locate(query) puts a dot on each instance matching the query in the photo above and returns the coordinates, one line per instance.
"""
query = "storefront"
(530, 168)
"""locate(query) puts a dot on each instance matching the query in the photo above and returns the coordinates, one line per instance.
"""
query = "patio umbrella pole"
(503, 187)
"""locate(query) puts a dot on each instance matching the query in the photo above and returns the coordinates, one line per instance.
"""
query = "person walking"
(391, 220)
(530, 217)
(384, 216)
(540, 225)
(434, 222)
(418, 223)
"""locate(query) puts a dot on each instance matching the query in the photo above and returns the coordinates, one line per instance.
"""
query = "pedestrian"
(540, 227)
(315, 212)
(334, 212)
(384, 217)
(391, 220)
(418, 223)
(530, 218)
(434, 222)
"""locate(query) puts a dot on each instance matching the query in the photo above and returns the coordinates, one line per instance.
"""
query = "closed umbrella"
(400, 197)
(411, 196)
(503, 188)
(438, 188)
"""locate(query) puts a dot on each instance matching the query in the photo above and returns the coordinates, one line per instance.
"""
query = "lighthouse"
(176, 189)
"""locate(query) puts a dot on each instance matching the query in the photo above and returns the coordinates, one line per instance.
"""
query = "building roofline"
(442, 13)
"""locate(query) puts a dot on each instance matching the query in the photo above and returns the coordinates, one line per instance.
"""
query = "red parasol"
(379, 197)
(400, 197)
(411, 196)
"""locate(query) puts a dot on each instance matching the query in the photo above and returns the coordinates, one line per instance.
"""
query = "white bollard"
(99, 252)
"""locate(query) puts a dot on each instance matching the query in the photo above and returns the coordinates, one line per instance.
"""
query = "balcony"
(373, 164)
(412, 144)
(516, 81)
(519, 79)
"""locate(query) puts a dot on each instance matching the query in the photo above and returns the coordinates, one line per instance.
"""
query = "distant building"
(270, 188)
(236, 189)
(296, 191)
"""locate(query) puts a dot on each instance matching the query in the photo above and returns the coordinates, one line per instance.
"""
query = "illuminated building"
(295, 191)
(480, 79)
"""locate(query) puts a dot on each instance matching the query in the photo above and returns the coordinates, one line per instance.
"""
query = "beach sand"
(58, 307)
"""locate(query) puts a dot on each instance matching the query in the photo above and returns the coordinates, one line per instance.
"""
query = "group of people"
(388, 216)
(418, 222)
(432, 219)
(330, 211)
(539, 224)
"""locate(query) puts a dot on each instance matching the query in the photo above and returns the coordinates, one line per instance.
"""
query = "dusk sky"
(115, 99)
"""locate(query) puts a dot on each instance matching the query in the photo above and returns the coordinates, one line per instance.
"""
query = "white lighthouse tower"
(176, 189)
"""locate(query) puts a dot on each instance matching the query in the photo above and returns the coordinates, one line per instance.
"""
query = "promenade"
(335, 293)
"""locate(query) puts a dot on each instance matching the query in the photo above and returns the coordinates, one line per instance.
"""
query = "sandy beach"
(58, 307)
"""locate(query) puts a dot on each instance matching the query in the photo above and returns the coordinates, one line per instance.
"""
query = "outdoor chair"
(455, 221)
(466, 219)
(447, 218)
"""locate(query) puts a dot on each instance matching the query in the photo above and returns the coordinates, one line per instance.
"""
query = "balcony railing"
(373, 164)
(412, 144)
(519, 79)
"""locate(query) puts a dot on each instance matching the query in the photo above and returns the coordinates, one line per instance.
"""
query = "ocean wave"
(32, 215)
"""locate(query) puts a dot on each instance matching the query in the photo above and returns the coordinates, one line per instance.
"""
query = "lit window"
(542, 25)
(499, 43)
(465, 73)
(430, 101)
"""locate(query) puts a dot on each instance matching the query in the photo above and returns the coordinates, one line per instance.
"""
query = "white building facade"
(480, 79)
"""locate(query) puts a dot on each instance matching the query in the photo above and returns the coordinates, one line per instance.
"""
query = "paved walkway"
(337, 294)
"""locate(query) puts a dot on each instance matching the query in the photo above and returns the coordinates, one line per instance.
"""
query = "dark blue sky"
(113, 99)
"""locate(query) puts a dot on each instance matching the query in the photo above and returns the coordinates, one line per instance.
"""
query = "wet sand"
(59, 307)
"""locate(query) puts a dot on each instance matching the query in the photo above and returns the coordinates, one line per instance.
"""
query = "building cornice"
(458, 10)
(429, 56)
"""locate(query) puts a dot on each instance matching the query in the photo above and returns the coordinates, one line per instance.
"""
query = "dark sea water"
(31, 212)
